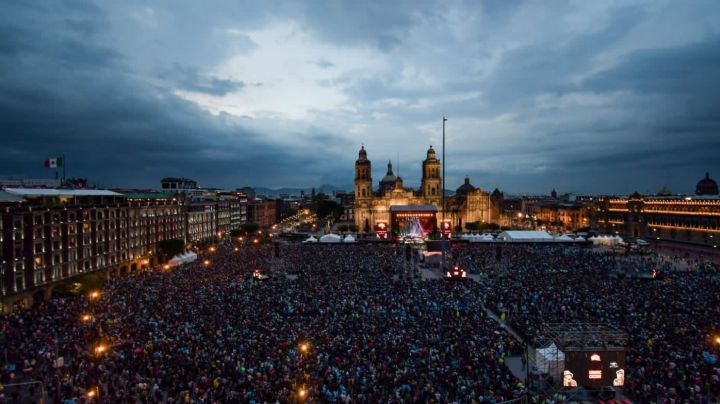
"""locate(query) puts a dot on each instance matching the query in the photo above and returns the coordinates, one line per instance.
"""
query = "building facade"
(51, 235)
(372, 207)
(678, 218)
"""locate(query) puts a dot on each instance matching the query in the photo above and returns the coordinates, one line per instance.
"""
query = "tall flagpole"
(442, 187)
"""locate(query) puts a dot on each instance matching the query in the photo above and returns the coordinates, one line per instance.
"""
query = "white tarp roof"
(182, 259)
(525, 235)
(549, 360)
(311, 239)
(474, 237)
(564, 237)
(349, 239)
(330, 238)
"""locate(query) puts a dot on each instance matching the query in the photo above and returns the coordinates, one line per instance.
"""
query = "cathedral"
(376, 210)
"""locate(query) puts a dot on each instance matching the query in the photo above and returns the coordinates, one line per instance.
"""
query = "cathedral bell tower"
(363, 176)
(431, 183)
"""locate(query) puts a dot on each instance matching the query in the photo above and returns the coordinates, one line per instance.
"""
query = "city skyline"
(580, 97)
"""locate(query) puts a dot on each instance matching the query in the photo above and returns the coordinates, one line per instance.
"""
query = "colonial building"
(681, 218)
(50, 235)
(372, 207)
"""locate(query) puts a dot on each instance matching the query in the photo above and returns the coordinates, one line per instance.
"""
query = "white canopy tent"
(607, 240)
(550, 360)
(564, 239)
(331, 238)
(311, 239)
(349, 239)
(525, 236)
(182, 259)
(477, 238)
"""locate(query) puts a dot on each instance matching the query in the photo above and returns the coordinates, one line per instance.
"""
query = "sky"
(582, 96)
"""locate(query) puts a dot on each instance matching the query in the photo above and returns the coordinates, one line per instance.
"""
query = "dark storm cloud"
(61, 94)
(584, 97)
(189, 79)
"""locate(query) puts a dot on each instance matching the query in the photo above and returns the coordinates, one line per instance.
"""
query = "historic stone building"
(372, 207)
(693, 219)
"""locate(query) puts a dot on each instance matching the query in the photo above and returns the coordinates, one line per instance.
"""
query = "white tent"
(349, 239)
(525, 236)
(580, 239)
(607, 240)
(484, 238)
(331, 238)
(311, 239)
(182, 259)
(564, 238)
(550, 360)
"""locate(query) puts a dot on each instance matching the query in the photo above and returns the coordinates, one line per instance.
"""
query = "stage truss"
(586, 337)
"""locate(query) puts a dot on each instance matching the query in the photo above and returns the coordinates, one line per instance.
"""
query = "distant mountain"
(325, 188)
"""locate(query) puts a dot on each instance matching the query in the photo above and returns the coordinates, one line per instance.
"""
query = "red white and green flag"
(54, 163)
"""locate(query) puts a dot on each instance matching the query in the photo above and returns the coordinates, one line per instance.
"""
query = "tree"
(343, 228)
(170, 248)
(479, 226)
(236, 233)
(326, 207)
(354, 228)
(247, 228)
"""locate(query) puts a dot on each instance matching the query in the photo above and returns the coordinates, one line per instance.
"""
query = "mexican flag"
(54, 163)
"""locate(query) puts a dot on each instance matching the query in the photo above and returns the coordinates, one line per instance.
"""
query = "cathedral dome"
(465, 188)
(706, 186)
(389, 176)
(664, 191)
(431, 153)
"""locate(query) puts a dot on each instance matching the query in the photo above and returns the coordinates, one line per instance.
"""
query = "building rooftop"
(8, 197)
(149, 195)
(60, 192)
(413, 208)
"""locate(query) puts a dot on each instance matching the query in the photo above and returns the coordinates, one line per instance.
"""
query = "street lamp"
(85, 318)
(304, 347)
(94, 294)
(100, 349)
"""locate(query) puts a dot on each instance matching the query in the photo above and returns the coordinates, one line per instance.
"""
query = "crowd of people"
(671, 313)
(350, 323)
(329, 323)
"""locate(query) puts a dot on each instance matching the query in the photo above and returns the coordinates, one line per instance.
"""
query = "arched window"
(363, 192)
(433, 191)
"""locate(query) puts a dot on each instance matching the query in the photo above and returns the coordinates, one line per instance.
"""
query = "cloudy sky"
(584, 96)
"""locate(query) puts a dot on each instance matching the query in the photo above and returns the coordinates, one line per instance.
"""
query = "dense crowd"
(331, 324)
(672, 319)
(349, 323)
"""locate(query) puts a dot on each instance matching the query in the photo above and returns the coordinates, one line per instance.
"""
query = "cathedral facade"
(372, 207)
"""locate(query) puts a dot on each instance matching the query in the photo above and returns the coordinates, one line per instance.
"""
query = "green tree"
(326, 207)
(247, 228)
(170, 248)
